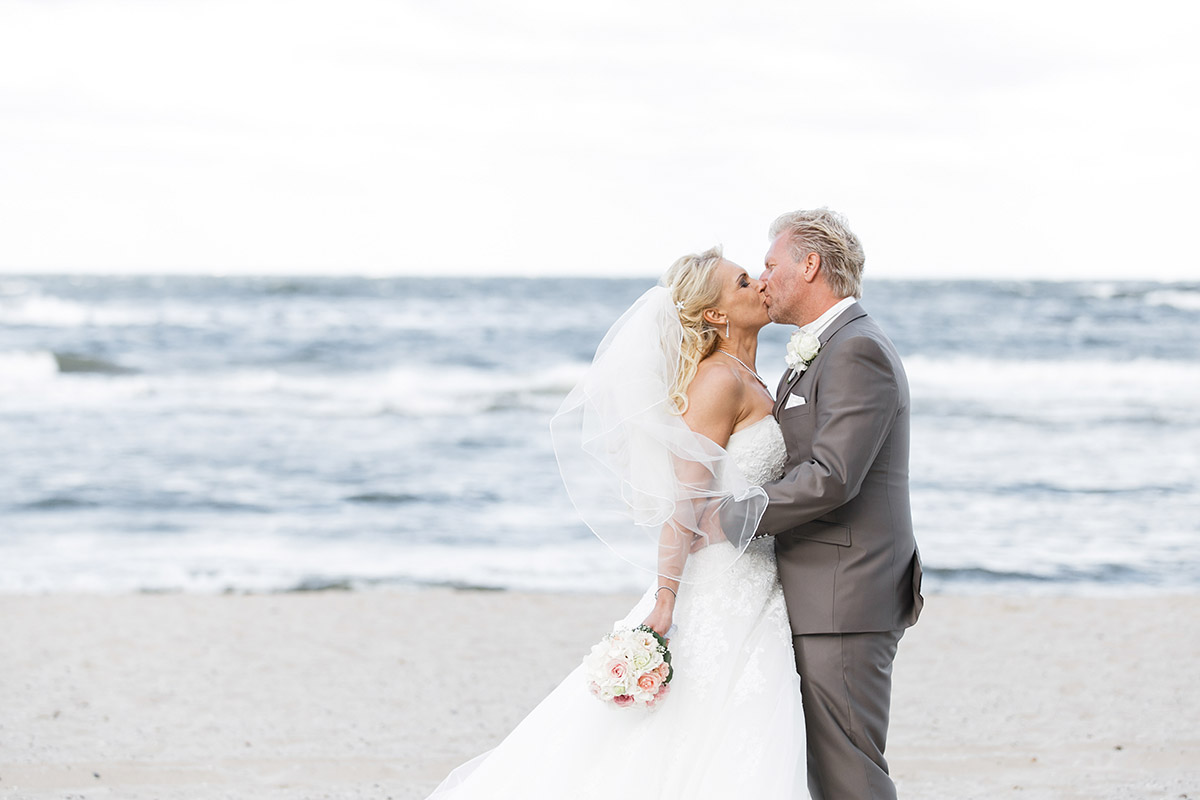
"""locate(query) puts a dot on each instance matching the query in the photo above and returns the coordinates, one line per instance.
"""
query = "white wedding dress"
(732, 725)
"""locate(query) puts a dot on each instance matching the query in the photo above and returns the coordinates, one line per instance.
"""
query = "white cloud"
(373, 136)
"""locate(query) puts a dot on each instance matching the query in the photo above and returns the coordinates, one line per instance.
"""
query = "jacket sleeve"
(857, 403)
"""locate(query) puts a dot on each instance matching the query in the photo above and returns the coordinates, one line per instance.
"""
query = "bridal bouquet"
(630, 668)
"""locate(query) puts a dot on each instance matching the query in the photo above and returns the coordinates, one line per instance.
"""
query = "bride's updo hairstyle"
(694, 290)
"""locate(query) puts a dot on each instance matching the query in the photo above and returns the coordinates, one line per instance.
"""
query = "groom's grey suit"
(847, 558)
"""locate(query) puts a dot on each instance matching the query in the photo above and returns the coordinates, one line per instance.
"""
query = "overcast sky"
(1027, 139)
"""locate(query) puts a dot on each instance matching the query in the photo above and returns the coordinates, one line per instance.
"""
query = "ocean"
(210, 434)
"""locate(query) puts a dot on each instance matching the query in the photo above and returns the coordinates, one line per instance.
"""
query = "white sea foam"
(1059, 389)
(1032, 389)
(422, 391)
(1101, 291)
(36, 309)
(272, 561)
(268, 562)
(1176, 298)
(33, 308)
(44, 311)
(22, 368)
(10, 287)
(23, 304)
(970, 374)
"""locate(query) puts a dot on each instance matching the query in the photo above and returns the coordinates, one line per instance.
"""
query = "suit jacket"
(840, 514)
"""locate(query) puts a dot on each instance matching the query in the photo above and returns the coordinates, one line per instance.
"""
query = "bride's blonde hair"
(694, 290)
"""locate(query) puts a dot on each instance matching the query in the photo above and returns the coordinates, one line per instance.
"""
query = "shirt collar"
(818, 326)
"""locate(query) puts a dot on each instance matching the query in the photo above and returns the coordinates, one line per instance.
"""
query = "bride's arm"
(715, 400)
(672, 553)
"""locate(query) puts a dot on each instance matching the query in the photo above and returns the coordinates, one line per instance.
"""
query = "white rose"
(804, 344)
(802, 348)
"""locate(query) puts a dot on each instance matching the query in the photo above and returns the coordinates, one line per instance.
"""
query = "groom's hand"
(733, 521)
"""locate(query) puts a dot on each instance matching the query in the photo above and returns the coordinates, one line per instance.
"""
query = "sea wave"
(1049, 392)
(49, 311)
(1099, 574)
(1080, 485)
(256, 312)
(1182, 299)
(24, 367)
(42, 365)
(43, 310)
(15, 287)
(1056, 392)
(70, 381)
(274, 563)
(968, 374)
(148, 500)
(57, 503)
(213, 563)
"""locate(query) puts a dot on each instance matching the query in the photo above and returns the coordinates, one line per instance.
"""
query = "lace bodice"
(759, 451)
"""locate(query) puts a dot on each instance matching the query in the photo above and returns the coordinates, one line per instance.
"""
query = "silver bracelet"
(668, 588)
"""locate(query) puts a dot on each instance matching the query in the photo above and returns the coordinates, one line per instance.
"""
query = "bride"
(663, 447)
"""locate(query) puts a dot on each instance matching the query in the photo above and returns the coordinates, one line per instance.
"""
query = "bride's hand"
(660, 619)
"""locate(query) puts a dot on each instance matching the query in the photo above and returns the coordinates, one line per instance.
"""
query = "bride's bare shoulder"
(714, 400)
(714, 378)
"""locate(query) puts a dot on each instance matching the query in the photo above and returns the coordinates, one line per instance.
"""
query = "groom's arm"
(856, 408)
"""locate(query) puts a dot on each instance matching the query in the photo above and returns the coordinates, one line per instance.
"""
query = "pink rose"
(616, 669)
(649, 681)
(663, 691)
(623, 700)
(664, 670)
(594, 687)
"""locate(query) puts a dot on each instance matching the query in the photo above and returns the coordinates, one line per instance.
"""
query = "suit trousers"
(846, 686)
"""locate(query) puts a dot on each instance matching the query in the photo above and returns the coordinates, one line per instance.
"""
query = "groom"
(840, 514)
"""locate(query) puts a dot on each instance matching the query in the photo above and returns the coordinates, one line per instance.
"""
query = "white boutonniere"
(802, 348)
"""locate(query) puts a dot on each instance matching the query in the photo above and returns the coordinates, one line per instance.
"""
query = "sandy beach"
(379, 694)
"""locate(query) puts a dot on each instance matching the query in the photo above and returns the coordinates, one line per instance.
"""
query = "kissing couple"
(777, 528)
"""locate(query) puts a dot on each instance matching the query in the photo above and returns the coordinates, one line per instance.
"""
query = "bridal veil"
(646, 484)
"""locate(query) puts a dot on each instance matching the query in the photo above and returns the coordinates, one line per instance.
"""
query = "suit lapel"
(786, 386)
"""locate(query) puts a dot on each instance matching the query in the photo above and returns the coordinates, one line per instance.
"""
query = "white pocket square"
(793, 401)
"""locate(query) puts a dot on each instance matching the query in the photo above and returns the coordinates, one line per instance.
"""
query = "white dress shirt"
(818, 325)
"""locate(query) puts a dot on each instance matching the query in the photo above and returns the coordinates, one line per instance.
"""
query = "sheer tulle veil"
(651, 488)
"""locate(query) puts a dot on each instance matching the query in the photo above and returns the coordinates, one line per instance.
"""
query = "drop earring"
(726, 328)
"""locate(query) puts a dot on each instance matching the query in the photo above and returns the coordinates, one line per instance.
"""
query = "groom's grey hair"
(827, 234)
